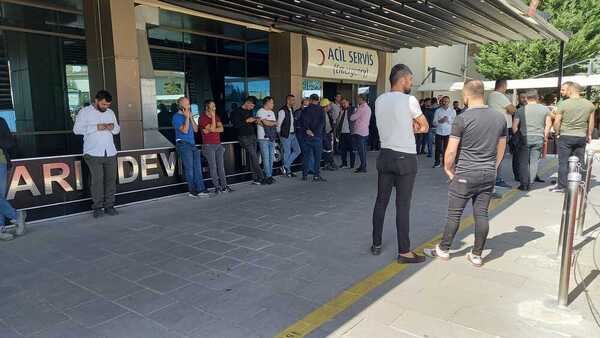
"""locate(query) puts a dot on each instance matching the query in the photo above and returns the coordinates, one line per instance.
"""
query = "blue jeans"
(192, 166)
(360, 143)
(267, 149)
(6, 210)
(291, 150)
(427, 142)
(313, 148)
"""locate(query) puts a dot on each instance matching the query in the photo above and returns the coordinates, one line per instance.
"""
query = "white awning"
(545, 82)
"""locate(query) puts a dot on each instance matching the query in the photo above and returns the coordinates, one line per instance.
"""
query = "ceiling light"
(260, 6)
(333, 12)
(347, 16)
(386, 11)
(313, 20)
(373, 7)
(454, 17)
(297, 1)
(299, 16)
(375, 24)
(412, 21)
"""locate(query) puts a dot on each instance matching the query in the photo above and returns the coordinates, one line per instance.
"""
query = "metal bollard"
(573, 168)
(586, 189)
(567, 234)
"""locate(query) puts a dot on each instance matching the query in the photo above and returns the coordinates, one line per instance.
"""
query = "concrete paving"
(513, 295)
(253, 262)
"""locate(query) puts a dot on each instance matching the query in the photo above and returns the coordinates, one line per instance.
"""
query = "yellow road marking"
(348, 297)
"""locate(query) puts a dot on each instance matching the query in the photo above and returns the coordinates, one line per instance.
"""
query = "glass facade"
(44, 78)
(206, 60)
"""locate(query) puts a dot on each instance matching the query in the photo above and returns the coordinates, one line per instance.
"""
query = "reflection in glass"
(310, 87)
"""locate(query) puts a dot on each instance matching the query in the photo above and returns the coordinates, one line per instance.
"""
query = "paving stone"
(245, 254)
(184, 251)
(107, 284)
(163, 282)
(216, 280)
(145, 301)
(135, 272)
(180, 267)
(150, 256)
(205, 257)
(215, 246)
(95, 312)
(224, 264)
(182, 317)
(134, 326)
(253, 272)
(188, 239)
(222, 328)
(70, 295)
(252, 243)
(223, 236)
(34, 320)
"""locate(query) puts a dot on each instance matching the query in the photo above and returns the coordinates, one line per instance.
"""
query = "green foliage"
(523, 59)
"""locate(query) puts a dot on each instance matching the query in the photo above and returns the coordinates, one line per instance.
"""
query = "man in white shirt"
(398, 117)
(266, 133)
(442, 119)
(498, 101)
(98, 125)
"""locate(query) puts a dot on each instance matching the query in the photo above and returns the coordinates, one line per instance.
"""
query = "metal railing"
(573, 219)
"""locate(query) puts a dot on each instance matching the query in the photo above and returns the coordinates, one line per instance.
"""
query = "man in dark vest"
(286, 130)
(344, 133)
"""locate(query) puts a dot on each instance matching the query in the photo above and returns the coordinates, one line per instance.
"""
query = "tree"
(523, 59)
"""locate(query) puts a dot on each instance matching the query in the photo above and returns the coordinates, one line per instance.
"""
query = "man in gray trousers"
(98, 125)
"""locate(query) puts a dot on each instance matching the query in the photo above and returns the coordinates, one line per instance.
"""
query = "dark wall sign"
(55, 186)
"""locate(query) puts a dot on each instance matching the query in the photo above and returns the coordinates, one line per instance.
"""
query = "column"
(285, 66)
(113, 64)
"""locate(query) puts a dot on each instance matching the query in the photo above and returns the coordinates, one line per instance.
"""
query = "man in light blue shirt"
(98, 125)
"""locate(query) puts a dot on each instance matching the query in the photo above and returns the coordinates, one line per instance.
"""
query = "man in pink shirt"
(360, 132)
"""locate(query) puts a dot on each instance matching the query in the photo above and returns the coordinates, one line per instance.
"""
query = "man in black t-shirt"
(481, 133)
(245, 122)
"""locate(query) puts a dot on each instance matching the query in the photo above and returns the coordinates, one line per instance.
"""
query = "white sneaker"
(437, 253)
(474, 259)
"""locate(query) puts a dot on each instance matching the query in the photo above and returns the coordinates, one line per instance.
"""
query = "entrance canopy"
(389, 25)
(537, 83)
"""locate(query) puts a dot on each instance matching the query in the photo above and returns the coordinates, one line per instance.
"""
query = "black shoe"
(376, 250)
(111, 211)
(216, 191)
(359, 171)
(304, 178)
(264, 181)
(98, 213)
(411, 260)
(319, 179)
(271, 180)
(228, 189)
(523, 187)
(436, 165)
(291, 174)
(539, 180)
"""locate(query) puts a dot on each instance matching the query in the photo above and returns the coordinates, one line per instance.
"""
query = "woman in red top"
(213, 150)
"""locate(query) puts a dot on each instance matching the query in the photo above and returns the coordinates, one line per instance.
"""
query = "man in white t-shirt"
(398, 117)
(498, 100)
(442, 119)
(266, 133)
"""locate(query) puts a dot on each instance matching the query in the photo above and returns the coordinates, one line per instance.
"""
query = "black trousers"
(395, 170)
(476, 186)
(569, 146)
(347, 147)
(249, 144)
(441, 142)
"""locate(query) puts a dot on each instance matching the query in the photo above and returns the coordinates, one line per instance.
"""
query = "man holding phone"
(98, 125)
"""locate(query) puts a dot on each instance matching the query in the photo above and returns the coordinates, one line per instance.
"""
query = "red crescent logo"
(322, 56)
